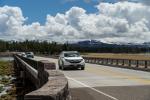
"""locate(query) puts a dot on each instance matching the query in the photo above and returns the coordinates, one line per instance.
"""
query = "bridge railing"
(127, 63)
(34, 70)
(50, 84)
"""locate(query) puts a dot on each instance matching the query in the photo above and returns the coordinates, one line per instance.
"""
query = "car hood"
(29, 54)
(73, 58)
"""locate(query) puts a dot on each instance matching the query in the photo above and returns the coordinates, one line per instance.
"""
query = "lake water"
(6, 58)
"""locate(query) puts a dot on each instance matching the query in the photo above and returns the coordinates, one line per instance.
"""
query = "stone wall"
(56, 88)
(51, 84)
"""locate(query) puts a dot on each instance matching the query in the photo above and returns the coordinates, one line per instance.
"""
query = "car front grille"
(74, 61)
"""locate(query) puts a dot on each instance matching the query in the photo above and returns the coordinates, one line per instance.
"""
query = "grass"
(8, 97)
(11, 95)
(1, 89)
(5, 68)
(119, 56)
(4, 81)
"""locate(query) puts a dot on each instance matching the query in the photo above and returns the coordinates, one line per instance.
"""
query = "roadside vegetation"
(50, 48)
(142, 56)
(7, 88)
(5, 68)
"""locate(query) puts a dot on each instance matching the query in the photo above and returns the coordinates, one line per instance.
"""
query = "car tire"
(82, 68)
(59, 66)
(62, 68)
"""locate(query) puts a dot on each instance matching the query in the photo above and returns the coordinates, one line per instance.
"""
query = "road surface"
(99, 82)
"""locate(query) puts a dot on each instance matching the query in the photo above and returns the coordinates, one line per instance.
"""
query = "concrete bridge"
(102, 79)
(107, 80)
(38, 80)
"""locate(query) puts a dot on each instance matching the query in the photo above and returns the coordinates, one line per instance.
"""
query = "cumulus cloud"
(146, 2)
(12, 25)
(11, 19)
(118, 22)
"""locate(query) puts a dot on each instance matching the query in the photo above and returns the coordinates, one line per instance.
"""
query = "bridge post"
(106, 61)
(98, 60)
(86, 60)
(116, 61)
(95, 60)
(123, 62)
(129, 63)
(137, 63)
(146, 64)
(102, 60)
(89, 60)
(42, 73)
(111, 62)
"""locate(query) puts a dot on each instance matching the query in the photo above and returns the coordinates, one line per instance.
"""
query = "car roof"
(70, 52)
(29, 52)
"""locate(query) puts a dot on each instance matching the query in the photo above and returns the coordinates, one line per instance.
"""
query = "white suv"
(71, 59)
(29, 54)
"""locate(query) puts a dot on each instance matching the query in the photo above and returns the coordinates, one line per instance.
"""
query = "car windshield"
(29, 53)
(71, 54)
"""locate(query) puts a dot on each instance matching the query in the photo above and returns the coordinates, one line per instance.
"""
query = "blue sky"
(36, 10)
(68, 20)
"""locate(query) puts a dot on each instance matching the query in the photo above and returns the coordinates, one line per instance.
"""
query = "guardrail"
(36, 74)
(126, 63)
(143, 65)
(50, 84)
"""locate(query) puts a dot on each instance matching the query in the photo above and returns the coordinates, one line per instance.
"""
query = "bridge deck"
(98, 82)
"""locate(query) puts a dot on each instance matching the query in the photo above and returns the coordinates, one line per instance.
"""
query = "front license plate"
(75, 65)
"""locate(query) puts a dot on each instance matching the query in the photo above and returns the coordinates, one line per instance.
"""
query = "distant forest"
(45, 47)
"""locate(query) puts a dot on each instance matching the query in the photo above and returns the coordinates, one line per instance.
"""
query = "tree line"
(44, 47)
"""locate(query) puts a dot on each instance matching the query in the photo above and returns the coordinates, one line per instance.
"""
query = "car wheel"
(62, 66)
(82, 68)
(59, 66)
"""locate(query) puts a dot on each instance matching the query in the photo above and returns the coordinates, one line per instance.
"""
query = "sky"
(37, 10)
(123, 21)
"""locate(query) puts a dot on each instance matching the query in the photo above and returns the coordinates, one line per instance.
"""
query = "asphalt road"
(98, 82)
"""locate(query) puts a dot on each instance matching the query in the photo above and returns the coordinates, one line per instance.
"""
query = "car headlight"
(67, 60)
(82, 59)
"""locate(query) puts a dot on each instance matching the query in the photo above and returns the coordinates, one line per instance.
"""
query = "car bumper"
(74, 66)
(67, 64)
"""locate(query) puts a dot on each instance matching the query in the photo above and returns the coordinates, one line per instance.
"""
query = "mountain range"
(97, 43)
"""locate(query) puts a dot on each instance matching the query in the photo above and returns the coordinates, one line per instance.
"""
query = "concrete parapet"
(56, 88)
(50, 83)
(48, 65)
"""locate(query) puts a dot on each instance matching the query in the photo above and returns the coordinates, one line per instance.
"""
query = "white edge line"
(113, 98)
